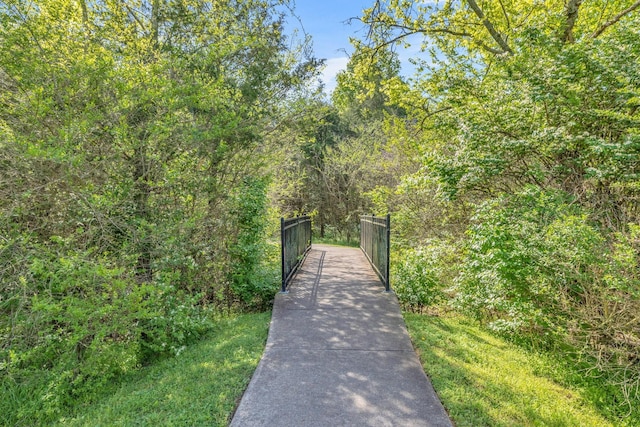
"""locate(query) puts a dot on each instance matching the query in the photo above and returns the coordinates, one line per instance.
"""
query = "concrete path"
(338, 354)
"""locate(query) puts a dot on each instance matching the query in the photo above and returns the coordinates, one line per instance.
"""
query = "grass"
(337, 241)
(201, 386)
(483, 380)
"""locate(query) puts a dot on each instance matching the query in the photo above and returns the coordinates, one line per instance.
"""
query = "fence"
(375, 242)
(295, 238)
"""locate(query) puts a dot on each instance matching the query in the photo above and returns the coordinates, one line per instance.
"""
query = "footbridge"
(338, 352)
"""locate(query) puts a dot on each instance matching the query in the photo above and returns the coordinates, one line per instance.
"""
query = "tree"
(527, 122)
(126, 126)
(340, 150)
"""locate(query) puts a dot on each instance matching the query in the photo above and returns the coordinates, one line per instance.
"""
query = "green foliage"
(74, 324)
(200, 386)
(360, 91)
(522, 149)
(124, 129)
(322, 172)
(518, 248)
(334, 239)
(484, 380)
(253, 280)
(341, 151)
(416, 277)
(623, 270)
(535, 265)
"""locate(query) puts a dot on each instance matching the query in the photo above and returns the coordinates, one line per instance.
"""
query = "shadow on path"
(338, 354)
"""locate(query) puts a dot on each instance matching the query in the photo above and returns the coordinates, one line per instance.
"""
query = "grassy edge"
(483, 380)
(336, 242)
(201, 386)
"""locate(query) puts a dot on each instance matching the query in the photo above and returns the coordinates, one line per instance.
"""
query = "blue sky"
(325, 21)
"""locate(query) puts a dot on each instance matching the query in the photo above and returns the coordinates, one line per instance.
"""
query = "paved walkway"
(338, 354)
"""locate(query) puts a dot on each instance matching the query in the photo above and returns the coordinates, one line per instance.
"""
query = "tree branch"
(408, 31)
(433, 113)
(133, 14)
(506, 16)
(489, 26)
(155, 12)
(393, 40)
(572, 15)
(615, 19)
(375, 20)
(378, 8)
(85, 12)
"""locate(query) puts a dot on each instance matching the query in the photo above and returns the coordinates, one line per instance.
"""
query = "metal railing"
(375, 242)
(295, 238)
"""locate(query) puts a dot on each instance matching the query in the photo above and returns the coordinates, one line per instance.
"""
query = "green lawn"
(201, 386)
(486, 381)
(482, 380)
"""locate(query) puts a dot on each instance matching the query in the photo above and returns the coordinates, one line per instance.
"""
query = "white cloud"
(332, 67)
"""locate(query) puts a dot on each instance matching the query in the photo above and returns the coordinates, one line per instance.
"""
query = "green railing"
(375, 242)
(295, 238)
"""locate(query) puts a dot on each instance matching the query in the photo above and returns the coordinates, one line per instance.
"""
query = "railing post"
(388, 281)
(298, 233)
(282, 255)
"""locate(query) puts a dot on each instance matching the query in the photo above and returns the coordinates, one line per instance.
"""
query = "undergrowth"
(484, 380)
(200, 386)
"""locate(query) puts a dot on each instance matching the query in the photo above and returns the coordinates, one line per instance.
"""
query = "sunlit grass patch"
(336, 241)
(201, 386)
(485, 381)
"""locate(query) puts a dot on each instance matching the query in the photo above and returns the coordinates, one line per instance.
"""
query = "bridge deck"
(338, 354)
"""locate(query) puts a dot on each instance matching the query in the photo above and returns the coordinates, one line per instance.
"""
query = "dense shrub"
(421, 275)
(253, 279)
(606, 326)
(535, 265)
(527, 256)
(72, 322)
(75, 314)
